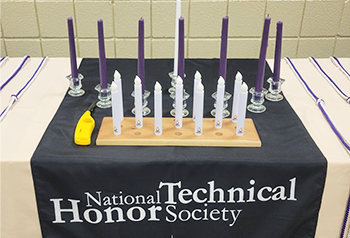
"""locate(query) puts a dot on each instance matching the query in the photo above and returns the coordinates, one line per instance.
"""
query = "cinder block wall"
(319, 28)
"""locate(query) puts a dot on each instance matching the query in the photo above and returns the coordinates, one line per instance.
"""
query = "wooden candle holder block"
(224, 137)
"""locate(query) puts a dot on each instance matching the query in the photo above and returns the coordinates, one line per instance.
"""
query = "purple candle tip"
(223, 49)
(278, 50)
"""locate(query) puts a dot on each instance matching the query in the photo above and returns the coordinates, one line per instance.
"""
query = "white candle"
(220, 90)
(178, 102)
(118, 80)
(138, 102)
(115, 109)
(197, 80)
(158, 109)
(176, 48)
(236, 94)
(242, 110)
(198, 128)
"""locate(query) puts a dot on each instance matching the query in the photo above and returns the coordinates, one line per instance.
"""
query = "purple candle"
(223, 50)
(72, 52)
(278, 48)
(181, 65)
(141, 54)
(102, 55)
(262, 57)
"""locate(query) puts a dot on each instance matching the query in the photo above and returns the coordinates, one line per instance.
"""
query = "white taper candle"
(196, 81)
(198, 128)
(158, 109)
(118, 80)
(242, 110)
(236, 95)
(178, 102)
(220, 90)
(138, 102)
(115, 109)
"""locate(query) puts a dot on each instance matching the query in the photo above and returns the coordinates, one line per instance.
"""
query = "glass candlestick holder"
(75, 86)
(257, 101)
(225, 112)
(145, 109)
(185, 112)
(104, 98)
(173, 77)
(274, 90)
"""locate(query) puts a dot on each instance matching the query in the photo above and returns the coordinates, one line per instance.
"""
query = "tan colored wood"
(224, 137)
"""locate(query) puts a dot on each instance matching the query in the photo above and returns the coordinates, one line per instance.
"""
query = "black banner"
(135, 191)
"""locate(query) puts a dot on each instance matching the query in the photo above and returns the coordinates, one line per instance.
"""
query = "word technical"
(208, 203)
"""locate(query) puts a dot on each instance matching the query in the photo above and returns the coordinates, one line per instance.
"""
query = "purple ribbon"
(15, 72)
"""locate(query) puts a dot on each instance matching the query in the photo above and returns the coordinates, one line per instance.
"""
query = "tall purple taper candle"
(278, 49)
(72, 52)
(181, 66)
(141, 54)
(223, 50)
(262, 57)
(102, 55)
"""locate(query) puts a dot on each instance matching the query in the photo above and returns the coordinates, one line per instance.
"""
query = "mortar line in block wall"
(38, 25)
(3, 38)
(151, 31)
(339, 24)
(114, 33)
(188, 29)
(76, 30)
(301, 27)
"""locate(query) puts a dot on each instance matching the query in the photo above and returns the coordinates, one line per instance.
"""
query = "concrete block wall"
(319, 28)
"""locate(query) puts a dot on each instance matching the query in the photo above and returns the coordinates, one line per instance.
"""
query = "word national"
(170, 202)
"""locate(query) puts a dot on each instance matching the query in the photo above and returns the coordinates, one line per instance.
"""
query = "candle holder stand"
(185, 112)
(75, 86)
(145, 109)
(225, 112)
(274, 90)
(104, 97)
(257, 101)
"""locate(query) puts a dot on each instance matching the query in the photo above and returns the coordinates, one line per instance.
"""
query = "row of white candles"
(238, 105)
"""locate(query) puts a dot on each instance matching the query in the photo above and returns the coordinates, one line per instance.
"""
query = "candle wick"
(268, 14)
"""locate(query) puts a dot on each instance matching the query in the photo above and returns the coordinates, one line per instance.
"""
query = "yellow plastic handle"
(83, 131)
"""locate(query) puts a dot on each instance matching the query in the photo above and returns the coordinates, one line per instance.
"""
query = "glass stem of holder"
(104, 98)
(185, 112)
(257, 101)
(225, 112)
(145, 109)
(274, 90)
(75, 86)
(173, 77)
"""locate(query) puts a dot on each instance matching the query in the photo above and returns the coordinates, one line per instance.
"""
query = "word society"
(171, 203)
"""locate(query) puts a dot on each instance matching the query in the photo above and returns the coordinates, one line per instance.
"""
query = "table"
(18, 199)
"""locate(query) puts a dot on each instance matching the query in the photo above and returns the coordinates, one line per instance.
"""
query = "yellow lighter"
(84, 128)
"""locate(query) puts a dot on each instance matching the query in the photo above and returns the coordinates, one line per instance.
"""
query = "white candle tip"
(244, 88)
(114, 87)
(117, 75)
(239, 76)
(221, 81)
(200, 88)
(179, 81)
(137, 81)
(197, 76)
(157, 87)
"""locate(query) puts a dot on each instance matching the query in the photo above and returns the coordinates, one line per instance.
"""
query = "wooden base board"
(224, 137)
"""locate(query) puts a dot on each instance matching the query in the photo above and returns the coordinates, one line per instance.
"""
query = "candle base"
(257, 101)
(225, 112)
(145, 109)
(274, 90)
(98, 87)
(104, 98)
(75, 86)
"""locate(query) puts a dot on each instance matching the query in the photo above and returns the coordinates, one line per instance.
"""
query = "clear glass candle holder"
(225, 112)
(104, 98)
(257, 101)
(145, 110)
(185, 112)
(274, 90)
(75, 86)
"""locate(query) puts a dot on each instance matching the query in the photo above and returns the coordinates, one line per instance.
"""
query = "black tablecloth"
(135, 191)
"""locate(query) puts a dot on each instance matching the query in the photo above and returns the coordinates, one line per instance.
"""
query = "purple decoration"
(72, 52)
(141, 54)
(262, 57)
(223, 50)
(102, 55)
(181, 66)
(278, 49)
